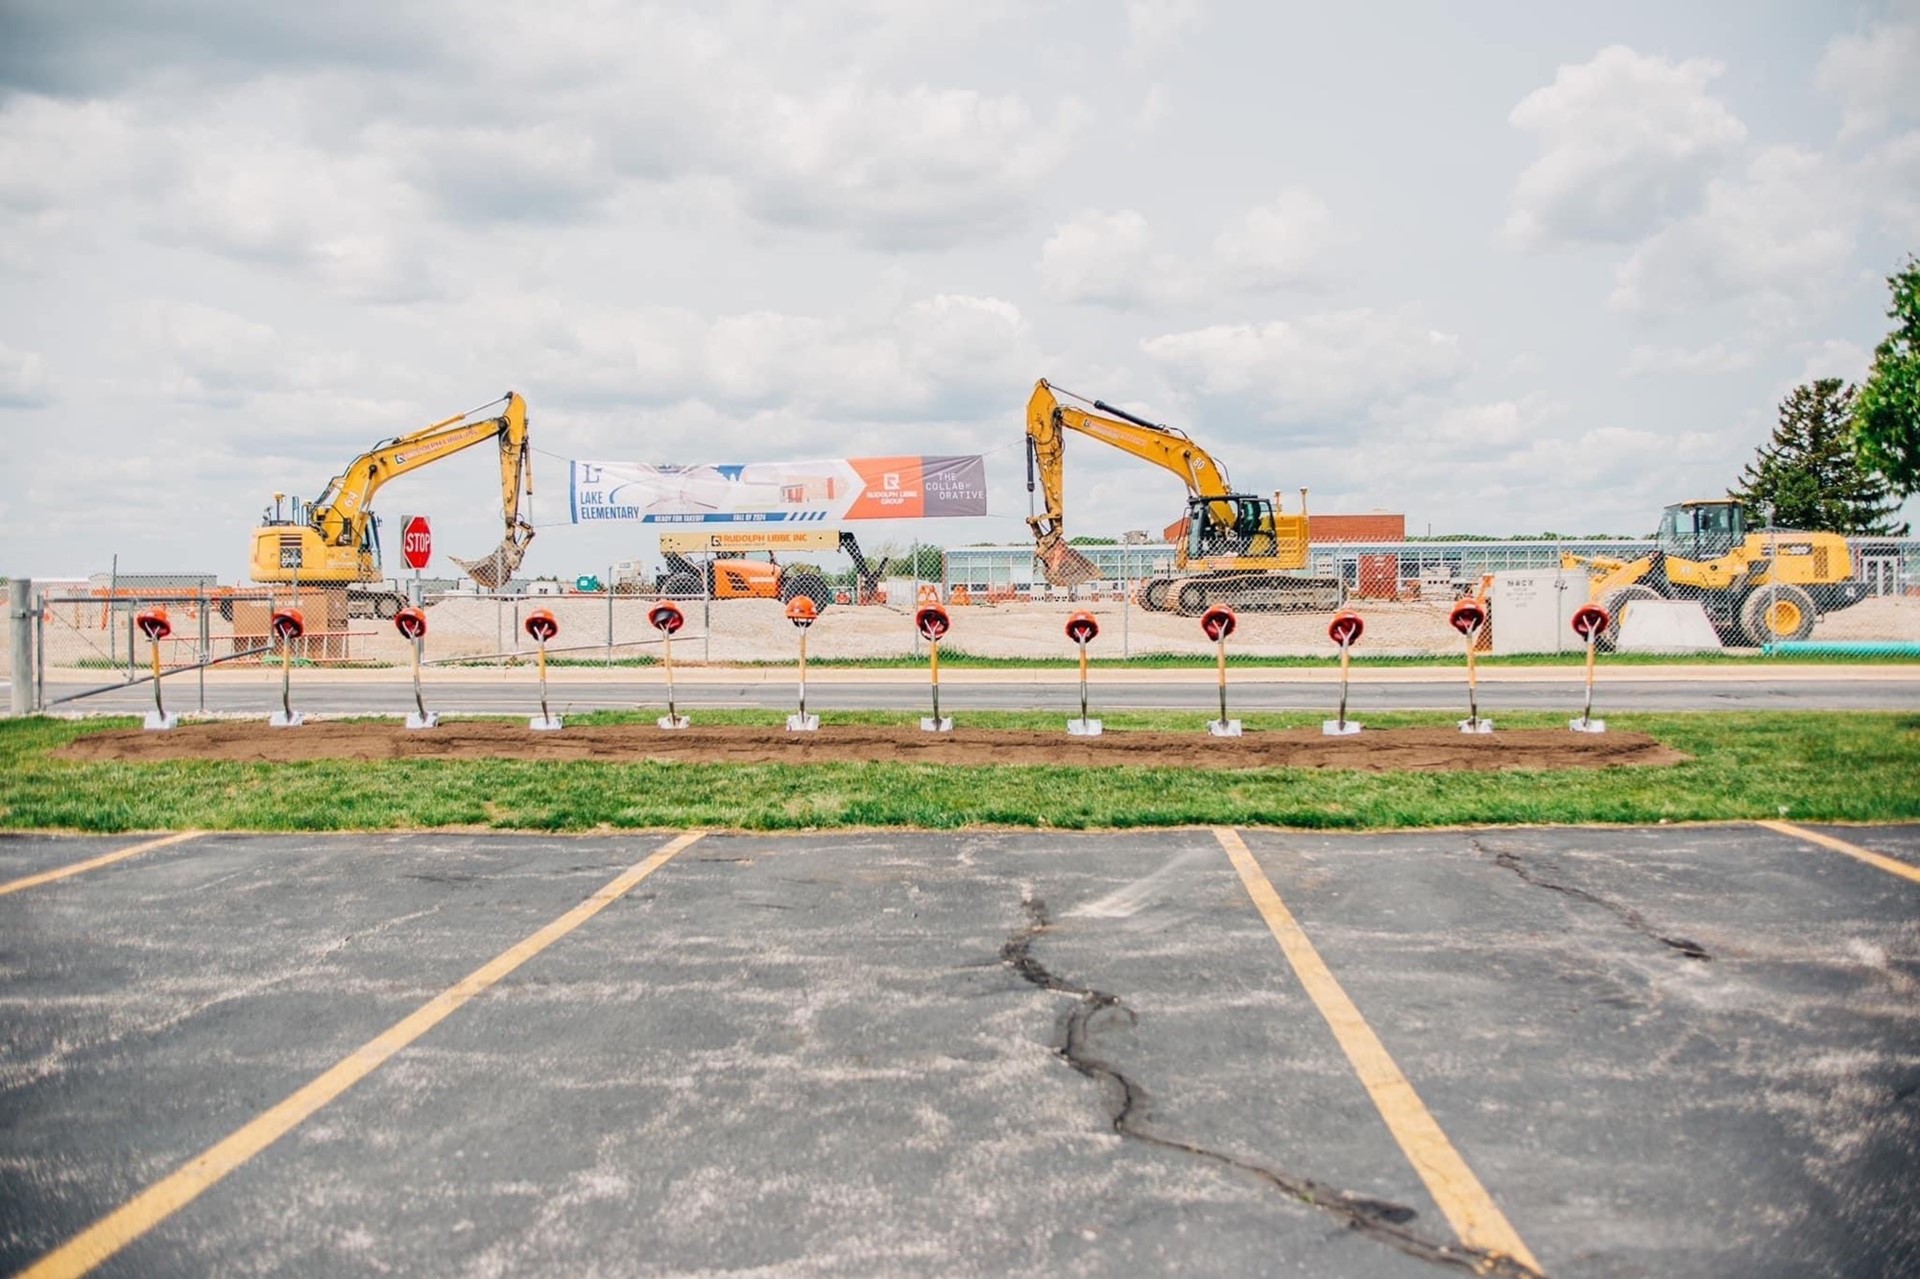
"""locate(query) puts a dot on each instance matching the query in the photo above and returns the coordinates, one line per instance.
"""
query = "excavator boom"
(331, 538)
(1229, 546)
(1048, 420)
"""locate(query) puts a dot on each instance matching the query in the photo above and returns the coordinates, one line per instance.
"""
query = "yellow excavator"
(1758, 585)
(335, 539)
(1238, 549)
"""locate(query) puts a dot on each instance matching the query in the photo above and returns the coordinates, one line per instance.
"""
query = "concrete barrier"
(1666, 626)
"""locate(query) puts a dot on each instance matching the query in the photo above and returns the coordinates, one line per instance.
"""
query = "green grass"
(1806, 766)
(960, 658)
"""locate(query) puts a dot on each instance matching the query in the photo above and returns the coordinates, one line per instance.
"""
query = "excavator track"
(1244, 593)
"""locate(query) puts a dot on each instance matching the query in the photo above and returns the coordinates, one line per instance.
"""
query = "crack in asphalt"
(1378, 1219)
(1509, 860)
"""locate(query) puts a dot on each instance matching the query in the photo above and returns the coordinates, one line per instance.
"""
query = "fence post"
(1126, 604)
(133, 606)
(19, 615)
(607, 586)
(206, 648)
(40, 652)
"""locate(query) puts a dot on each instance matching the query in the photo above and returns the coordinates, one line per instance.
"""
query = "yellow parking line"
(175, 1191)
(1467, 1205)
(93, 863)
(1867, 855)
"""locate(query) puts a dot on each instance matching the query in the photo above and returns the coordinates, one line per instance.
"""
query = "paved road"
(515, 693)
(1674, 1052)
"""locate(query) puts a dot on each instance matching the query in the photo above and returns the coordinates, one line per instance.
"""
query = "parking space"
(1902, 843)
(1673, 1051)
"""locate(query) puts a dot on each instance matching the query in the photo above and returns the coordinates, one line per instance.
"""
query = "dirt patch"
(1390, 750)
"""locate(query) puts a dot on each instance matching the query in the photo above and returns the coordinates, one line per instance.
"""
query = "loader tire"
(681, 586)
(1776, 613)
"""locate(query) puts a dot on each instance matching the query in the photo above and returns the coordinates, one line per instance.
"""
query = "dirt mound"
(1391, 750)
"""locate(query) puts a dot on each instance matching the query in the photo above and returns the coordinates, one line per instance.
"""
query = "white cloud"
(922, 167)
(350, 221)
(1104, 258)
(1277, 244)
(24, 383)
(1626, 140)
(947, 357)
(321, 163)
(1715, 357)
(1779, 237)
(1874, 77)
(1152, 25)
(1472, 431)
(1109, 259)
(1833, 357)
(1339, 363)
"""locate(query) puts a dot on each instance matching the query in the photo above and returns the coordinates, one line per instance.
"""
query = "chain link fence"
(1828, 596)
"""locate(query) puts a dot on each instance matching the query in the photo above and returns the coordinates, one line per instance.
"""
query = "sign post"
(288, 625)
(540, 624)
(1219, 622)
(931, 622)
(155, 626)
(412, 623)
(1468, 617)
(802, 613)
(1345, 630)
(1081, 629)
(667, 618)
(1590, 622)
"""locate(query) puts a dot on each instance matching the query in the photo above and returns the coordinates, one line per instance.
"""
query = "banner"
(823, 492)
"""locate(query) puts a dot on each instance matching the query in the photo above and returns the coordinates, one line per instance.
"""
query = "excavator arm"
(1048, 420)
(342, 513)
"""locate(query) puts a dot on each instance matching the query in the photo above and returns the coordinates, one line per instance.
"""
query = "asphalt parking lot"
(1619, 1052)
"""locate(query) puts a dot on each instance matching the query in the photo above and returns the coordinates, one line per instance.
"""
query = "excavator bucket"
(1065, 566)
(492, 571)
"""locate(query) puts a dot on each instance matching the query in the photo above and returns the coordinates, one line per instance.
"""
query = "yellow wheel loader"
(1759, 586)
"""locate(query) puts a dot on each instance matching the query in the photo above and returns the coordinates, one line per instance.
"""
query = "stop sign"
(416, 542)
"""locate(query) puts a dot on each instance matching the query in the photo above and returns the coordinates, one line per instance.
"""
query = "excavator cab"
(1238, 524)
(1702, 530)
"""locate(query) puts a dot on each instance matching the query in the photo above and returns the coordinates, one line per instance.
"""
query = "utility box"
(1531, 611)
(1378, 578)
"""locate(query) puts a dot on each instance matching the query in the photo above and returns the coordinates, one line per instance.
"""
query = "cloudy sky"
(1501, 266)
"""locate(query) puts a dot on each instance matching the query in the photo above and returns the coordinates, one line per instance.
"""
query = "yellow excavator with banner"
(1237, 549)
(334, 540)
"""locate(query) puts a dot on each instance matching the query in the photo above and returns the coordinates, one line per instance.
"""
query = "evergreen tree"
(1809, 474)
(1887, 414)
